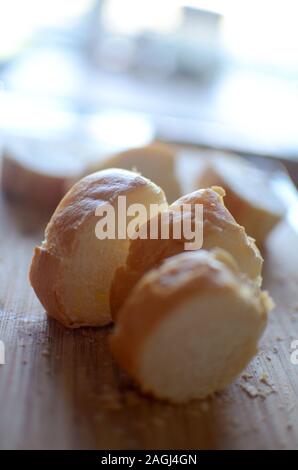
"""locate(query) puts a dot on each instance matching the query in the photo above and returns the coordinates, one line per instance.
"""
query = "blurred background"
(81, 78)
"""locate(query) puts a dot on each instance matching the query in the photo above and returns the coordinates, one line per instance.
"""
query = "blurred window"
(261, 33)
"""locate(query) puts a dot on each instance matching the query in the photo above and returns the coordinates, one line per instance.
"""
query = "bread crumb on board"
(254, 391)
(250, 390)
(246, 376)
(264, 378)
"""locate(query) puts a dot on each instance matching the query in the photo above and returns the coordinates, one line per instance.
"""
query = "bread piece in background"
(190, 326)
(72, 270)
(220, 229)
(248, 194)
(22, 182)
(156, 162)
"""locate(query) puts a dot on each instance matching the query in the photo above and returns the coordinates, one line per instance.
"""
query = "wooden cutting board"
(60, 389)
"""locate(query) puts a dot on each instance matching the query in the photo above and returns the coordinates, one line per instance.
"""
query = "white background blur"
(231, 66)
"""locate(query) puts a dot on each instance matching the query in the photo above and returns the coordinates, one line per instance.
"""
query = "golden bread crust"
(156, 161)
(68, 268)
(220, 230)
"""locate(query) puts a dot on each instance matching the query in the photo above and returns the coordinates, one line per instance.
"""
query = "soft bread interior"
(201, 347)
(249, 195)
(90, 269)
(190, 326)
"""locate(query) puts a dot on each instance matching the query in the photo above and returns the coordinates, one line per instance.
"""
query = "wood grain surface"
(60, 389)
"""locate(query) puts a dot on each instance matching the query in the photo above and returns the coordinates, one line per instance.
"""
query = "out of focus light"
(118, 130)
(253, 31)
(134, 16)
(22, 115)
(262, 32)
(20, 20)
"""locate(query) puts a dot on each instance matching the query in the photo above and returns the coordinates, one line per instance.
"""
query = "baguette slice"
(219, 230)
(190, 326)
(72, 271)
(22, 182)
(248, 194)
(156, 162)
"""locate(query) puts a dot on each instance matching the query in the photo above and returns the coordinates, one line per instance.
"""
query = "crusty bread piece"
(24, 183)
(219, 230)
(190, 326)
(71, 272)
(248, 195)
(156, 162)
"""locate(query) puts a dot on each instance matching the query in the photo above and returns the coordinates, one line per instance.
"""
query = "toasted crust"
(166, 306)
(156, 162)
(219, 230)
(243, 182)
(72, 270)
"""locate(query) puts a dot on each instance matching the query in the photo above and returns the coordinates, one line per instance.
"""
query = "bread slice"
(23, 182)
(156, 162)
(248, 195)
(190, 326)
(72, 271)
(219, 230)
